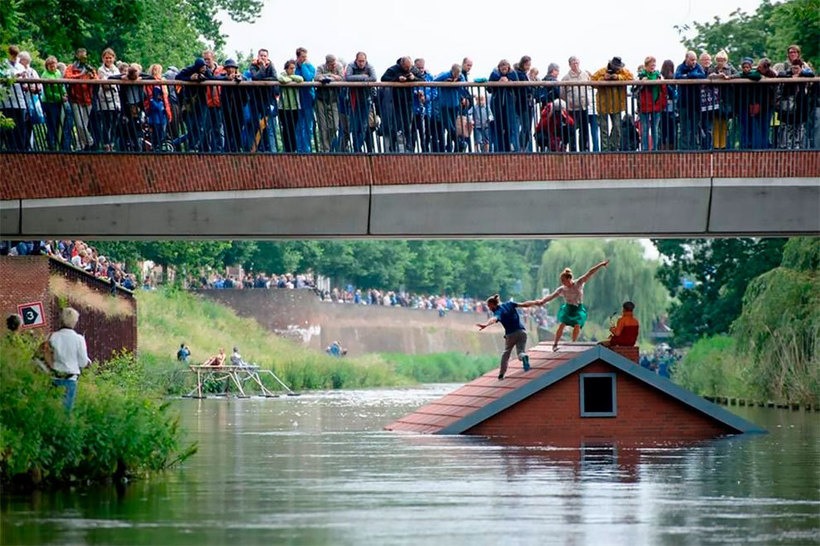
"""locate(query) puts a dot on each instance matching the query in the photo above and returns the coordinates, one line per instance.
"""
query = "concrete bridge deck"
(675, 194)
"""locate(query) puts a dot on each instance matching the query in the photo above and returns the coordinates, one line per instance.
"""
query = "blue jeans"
(304, 128)
(650, 122)
(593, 132)
(70, 387)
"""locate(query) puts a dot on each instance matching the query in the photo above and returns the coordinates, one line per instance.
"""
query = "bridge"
(205, 196)
(197, 192)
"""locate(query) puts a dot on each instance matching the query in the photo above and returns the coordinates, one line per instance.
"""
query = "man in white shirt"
(69, 355)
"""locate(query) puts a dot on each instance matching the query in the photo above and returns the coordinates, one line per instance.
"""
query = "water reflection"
(319, 469)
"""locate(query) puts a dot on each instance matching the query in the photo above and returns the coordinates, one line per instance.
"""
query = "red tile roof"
(480, 392)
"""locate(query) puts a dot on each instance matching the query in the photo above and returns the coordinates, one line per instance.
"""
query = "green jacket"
(53, 92)
(289, 96)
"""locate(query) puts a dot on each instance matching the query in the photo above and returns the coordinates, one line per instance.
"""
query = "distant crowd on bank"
(283, 118)
(80, 255)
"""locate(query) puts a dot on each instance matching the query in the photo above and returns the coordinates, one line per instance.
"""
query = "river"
(318, 469)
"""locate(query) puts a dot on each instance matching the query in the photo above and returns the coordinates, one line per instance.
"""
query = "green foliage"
(628, 277)
(148, 31)
(766, 33)
(720, 270)
(441, 367)
(111, 432)
(774, 351)
(779, 328)
(713, 367)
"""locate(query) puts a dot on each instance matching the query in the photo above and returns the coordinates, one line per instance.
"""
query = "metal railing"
(217, 116)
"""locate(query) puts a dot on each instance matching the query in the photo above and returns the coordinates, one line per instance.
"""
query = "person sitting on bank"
(625, 331)
(236, 358)
(216, 360)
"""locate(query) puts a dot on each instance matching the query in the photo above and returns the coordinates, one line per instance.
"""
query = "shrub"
(113, 431)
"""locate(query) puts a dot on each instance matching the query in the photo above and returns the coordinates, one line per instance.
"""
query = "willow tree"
(629, 276)
(779, 327)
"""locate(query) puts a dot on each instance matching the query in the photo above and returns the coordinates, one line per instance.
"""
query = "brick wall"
(104, 333)
(26, 279)
(79, 175)
(642, 413)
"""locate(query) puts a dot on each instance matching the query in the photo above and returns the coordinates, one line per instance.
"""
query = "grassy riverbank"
(169, 317)
(114, 430)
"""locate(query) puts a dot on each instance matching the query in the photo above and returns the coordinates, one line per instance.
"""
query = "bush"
(713, 367)
(112, 432)
(441, 367)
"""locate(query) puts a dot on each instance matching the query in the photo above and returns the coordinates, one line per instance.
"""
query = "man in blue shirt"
(515, 335)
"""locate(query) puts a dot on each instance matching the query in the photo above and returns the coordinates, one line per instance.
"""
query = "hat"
(616, 63)
(172, 68)
(230, 63)
(199, 63)
(747, 60)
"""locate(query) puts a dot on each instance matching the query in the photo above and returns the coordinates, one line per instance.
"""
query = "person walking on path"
(515, 335)
(572, 312)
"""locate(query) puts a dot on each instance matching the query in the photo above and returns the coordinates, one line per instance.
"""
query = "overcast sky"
(444, 31)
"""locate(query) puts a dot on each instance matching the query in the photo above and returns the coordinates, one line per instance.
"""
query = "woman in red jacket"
(652, 100)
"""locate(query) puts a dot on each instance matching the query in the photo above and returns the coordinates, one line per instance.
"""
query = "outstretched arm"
(530, 303)
(592, 271)
(549, 297)
(488, 323)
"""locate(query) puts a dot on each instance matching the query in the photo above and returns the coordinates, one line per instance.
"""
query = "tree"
(717, 272)
(766, 33)
(629, 276)
(779, 327)
(148, 31)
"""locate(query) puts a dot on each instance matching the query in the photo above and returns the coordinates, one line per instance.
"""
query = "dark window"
(598, 395)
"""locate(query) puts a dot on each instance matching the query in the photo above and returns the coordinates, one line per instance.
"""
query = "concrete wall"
(109, 323)
(299, 315)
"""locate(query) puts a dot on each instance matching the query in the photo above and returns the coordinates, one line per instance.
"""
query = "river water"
(318, 469)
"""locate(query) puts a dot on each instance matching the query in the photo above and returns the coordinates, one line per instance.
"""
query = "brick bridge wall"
(83, 175)
(299, 315)
(108, 323)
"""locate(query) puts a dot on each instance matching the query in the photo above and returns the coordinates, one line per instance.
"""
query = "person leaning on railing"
(262, 98)
(234, 98)
(611, 103)
(327, 103)
(359, 97)
(722, 95)
(794, 105)
(80, 97)
(289, 106)
(652, 101)
(689, 100)
(54, 99)
(576, 99)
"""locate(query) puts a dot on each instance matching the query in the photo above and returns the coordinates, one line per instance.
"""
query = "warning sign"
(32, 314)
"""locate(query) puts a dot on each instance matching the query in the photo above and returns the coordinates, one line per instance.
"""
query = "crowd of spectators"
(78, 254)
(253, 280)
(162, 116)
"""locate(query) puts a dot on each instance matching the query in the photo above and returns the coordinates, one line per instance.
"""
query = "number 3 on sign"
(32, 314)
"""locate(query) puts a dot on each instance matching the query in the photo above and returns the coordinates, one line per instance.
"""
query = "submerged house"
(582, 392)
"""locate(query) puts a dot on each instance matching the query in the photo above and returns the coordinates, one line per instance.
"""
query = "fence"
(219, 116)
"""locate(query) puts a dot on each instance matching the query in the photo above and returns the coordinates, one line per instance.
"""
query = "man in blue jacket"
(515, 335)
(304, 124)
(689, 100)
(446, 108)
